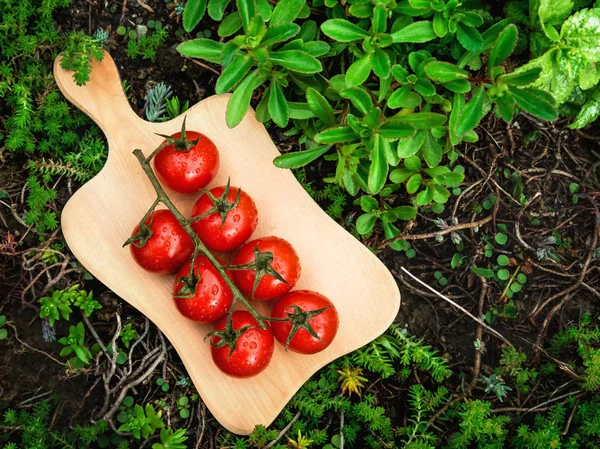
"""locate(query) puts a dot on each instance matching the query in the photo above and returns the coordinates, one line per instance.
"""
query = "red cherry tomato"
(213, 296)
(167, 249)
(240, 223)
(324, 324)
(284, 261)
(253, 351)
(188, 171)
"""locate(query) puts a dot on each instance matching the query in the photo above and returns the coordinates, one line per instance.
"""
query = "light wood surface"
(100, 216)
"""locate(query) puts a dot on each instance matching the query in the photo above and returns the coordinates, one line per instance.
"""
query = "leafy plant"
(142, 421)
(75, 343)
(128, 334)
(59, 303)
(78, 55)
(156, 101)
(3, 331)
(171, 440)
(511, 367)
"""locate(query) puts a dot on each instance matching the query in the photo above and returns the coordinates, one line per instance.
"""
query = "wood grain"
(100, 216)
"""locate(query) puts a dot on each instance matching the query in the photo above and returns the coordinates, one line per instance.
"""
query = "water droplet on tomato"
(236, 218)
(215, 289)
(253, 345)
(245, 344)
(184, 164)
(167, 243)
(197, 170)
(164, 229)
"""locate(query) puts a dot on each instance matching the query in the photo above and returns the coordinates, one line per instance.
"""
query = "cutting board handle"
(102, 98)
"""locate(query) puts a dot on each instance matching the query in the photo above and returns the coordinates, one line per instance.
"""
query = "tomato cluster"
(263, 269)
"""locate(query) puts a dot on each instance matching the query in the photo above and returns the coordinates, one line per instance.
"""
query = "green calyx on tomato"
(220, 205)
(145, 232)
(180, 143)
(190, 284)
(301, 320)
(261, 266)
(228, 336)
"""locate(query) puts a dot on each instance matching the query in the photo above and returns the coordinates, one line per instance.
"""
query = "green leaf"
(589, 111)
(216, 8)
(192, 14)
(550, 12)
(471, 114)
(581, 31)
(405, 212)
(440, 24)
(504, 46)
(432, 150)
(316, 48)
(319, 105)
(278, 107)
(423, 120)
(379, 18)
(229, 26)
(286, 11)
(300, 111)
(280, 33)
(343, 31)
(444, 72)
(206, 49)
(501, 238)
(399, 96)
(365, 223)
(413, 163)
(3, 334)
(483, 272)
(503, 260)
(535, 101)
(234, 73)
(299, 159)
(411, 145)
(296, 61)
(368, 203)
(413, 183)
(359, 98)
(452, 179)
(469, 38)
(247, 10)
(503, 274)
(417, 32)
(424, 197)
(381, 63)
(379, 167)
(359, 71)
(240, 100)
(337, 134)
(524, 78)
(395, 129)
(400, 175)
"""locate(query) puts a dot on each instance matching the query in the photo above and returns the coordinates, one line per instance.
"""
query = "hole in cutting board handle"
(102, 98)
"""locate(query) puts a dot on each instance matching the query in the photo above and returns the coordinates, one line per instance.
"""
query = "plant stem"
(198, 245)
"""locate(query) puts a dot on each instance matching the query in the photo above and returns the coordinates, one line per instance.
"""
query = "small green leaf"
(503, 260)
(365, 223)
(503, 274)
(423, 120)
(296, 61)
(286, 11)
(381, 63)
(247, 10)
(469, 37)
(240, 100)
(535, 101)
(300, 111)
(483, 272)
(234, 73)
(278, 107)
(359, 98)
(471, 114)
(338, 134)
(413, 183)
(216, 8)
(410, 145)
(368, 203)
(206, 49)
(192, 14)
(444, 72)
(343, 31)
(501, 238)
(399, 96)
(280, 33)
(405, 212)
(504, 46)
(319, 105)
(379, 168)
(396, 129)
(359, 71)
(413, 163)
(230, 25)
(400, 175)
(299, 159)
(432, 150)
(417, 32)
(523, 78)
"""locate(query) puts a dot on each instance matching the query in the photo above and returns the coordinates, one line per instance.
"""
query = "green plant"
(163, 384)
(3, 331)
(59, 303)
(175, 108)
(511, 367)
(183, 405)
(479, 425)
(171, 440)
(586, 339)
(142, 421)
(128, 334)
(496, 385)
(75, 343)
(157, 101)
(78, 55)
(145, 46)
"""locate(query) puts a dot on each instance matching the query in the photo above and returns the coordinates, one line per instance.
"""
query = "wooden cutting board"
(101, 215)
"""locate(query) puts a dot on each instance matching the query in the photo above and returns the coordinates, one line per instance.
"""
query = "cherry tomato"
(253, 350)
(213, 296)
(187, 171)
(240, 221)
(298, 306)
(283, 260)
(167, 249)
